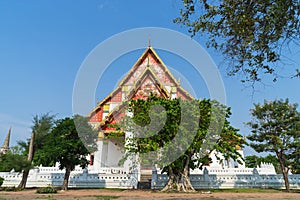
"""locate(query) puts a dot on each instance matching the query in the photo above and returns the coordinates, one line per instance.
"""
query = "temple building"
(148, 75)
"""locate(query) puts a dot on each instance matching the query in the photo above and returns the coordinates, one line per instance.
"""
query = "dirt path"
(90, 194)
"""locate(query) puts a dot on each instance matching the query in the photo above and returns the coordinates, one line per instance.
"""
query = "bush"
(1, 181)
(46, 190)
(10, 189)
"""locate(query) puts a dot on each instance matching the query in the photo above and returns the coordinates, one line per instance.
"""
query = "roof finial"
(149, 39)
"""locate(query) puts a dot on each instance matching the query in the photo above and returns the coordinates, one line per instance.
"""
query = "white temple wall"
(115, 154)
(107, 155)
(98, 157)
(223, 163)
(215, 162)
(264, 169)
(230, 178)
(45, 176)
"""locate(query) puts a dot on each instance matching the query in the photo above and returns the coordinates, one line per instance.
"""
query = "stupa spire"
(5, 146)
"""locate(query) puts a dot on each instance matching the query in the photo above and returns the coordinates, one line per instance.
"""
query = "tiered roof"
(148, 75)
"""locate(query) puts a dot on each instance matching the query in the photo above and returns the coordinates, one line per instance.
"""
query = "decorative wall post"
(206, 175)
(256, 178)
(154, 178)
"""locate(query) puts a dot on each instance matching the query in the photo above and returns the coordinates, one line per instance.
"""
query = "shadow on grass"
(106, 197)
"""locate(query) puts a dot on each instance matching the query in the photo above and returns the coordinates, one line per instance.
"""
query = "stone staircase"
(145, 181)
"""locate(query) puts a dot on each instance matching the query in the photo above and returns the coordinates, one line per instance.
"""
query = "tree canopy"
(16, 161)
(250, 34)
(276, 128)
(64, 145)
(180, 135)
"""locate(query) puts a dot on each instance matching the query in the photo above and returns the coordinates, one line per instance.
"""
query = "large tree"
(251, 34)
(42, 125)
(276, 128)
(180, 135)
(68, 144)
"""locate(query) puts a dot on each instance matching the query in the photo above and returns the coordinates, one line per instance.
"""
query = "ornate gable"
(148, 75)
(147, 83)
(149, 59)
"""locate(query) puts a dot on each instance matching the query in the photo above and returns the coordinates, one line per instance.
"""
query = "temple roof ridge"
(133, 86)
(144, 54)
(135, 65)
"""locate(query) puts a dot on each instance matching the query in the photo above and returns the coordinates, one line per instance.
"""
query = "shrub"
(1, 180)
(10, 189)
(46, 190)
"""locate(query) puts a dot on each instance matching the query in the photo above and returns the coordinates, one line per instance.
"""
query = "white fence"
(119, 178)
(44, 176)
(223, 181)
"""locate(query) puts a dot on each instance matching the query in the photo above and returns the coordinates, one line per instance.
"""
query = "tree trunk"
(29, 158)
(24, 179)
(66, 179)
(285, 177)
(186, 177)
(172, 182)
(179, 181)
(284, 173)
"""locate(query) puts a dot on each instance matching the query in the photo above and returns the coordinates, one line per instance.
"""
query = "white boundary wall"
(263, 177)
(45, 176)
(230, 179)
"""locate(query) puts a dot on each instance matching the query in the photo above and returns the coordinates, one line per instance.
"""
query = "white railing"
(120, 178)
(44, 176)
(222, 181)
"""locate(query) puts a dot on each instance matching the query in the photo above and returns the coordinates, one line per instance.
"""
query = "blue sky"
(43, 43)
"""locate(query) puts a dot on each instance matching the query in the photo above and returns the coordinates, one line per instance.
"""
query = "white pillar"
(98, 156)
